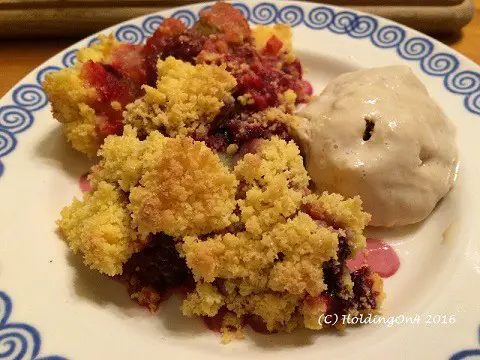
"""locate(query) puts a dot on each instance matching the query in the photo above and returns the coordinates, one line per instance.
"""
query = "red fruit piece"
(128, 59)
(227, 20)
(273, 46)
(170, 39)
(170, 27)
(84, 183)
(111, 87)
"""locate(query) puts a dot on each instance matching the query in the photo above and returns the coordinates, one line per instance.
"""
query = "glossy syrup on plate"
(380, 256)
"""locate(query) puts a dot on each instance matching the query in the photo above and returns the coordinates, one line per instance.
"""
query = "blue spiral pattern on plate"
(93, 41)
(30, 96)
(463, 82)
(440, 64)
(15, 119)
(131, 34)
(69, 58)
(343, 22)
(389, 36)
(468, 354)
(186, 16)
(415, 48)
(264, 14)
(472, 102)
(291, 14)
(18, 341)
(363, 27)
(8, 142)
(319, 18)
(43, 72)
(151, 23)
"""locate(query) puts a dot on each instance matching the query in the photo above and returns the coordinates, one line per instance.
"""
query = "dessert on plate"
(207, 181)
(243, 235)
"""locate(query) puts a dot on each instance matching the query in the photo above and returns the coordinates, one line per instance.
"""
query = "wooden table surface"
(19, 57)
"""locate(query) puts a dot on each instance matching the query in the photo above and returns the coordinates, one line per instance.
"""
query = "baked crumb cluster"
(182, 81)
(199, 185)
(88, 99)
(255, 241)
(186, 98)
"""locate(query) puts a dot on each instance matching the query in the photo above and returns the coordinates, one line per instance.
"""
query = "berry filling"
(114, 92)
(157, 269)
(128, 60)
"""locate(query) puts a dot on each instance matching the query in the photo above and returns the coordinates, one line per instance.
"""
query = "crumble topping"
(276, 180)
(288, 258)
(120, 160)
(279, 264)
(283, 32)
(343, 213)
(89, 98)
(99, 227)
(70, 95)
(98, 52)
(186, 96)
(187, 191)
(205, 300)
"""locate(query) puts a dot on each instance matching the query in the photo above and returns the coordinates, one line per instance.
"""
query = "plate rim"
(28, 98)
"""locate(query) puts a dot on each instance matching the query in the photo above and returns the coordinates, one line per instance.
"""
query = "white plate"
(83, 315)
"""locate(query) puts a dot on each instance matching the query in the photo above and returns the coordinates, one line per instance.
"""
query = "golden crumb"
(288, 57)
(303, 244)
(206, 300)
(98, 52)
(99, 227)
(346, 213)
(116, 105)
(70, 96)
(232, 149)
(232, 328)
(311, 310)
(185, 97)
(246, 99)
(274, 309)
(120, 160)
(276, 179)
(147, 297)
(188, 191)
(378, 288)
(263, 33)
(282, 115)
(227, 256)
(288, 99)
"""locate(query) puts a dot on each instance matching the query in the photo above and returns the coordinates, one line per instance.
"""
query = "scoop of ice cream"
(377, 133)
